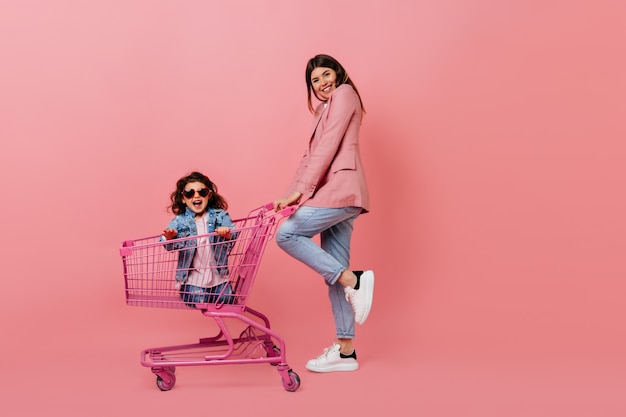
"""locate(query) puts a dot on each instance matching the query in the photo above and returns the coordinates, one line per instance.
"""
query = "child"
(202, 270)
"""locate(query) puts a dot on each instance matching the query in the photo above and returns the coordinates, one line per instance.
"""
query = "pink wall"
(494, 146)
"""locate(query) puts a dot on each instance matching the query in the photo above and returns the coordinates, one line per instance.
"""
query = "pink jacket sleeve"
(325, 140)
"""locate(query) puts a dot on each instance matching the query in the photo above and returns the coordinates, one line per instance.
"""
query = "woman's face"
(324, 82)
(196, 196)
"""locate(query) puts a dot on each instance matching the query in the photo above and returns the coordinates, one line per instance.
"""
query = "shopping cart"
(151, 266)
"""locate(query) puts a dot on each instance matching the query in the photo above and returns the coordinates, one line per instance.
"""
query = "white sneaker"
(362, 298)
(333, 361)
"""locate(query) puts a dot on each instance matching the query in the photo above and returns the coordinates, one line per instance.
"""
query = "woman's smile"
(324, 82)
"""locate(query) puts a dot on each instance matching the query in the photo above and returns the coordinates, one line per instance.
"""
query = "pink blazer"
(330, 173)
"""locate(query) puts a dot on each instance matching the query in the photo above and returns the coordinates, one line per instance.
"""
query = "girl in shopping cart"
(202, 270)
(330, 188)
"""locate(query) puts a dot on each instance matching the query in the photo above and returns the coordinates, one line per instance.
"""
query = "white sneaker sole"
(367, 286)
(347, 367)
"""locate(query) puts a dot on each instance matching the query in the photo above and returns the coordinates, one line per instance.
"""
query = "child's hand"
(169, 234)
(223, 231)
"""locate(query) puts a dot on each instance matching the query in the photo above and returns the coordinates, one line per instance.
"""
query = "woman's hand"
(223, 231)
(283, 202)
(169, 234)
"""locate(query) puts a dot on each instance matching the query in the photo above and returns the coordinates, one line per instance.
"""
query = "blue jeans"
(192, 294)
(330, 259)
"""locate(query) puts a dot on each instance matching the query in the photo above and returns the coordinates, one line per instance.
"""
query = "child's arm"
(172, 231)
(225, 241)
(224, 225)
(169, 234)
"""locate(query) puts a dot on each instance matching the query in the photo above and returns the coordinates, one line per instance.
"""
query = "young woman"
(330, 188)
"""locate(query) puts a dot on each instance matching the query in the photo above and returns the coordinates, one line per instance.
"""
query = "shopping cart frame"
(150, 266)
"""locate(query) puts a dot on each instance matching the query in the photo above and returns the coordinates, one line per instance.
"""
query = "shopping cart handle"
(286, 212)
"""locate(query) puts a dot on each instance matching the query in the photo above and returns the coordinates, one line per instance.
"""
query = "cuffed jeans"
(335, 226)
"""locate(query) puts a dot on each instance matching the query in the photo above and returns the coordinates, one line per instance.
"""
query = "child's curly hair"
(215, 200)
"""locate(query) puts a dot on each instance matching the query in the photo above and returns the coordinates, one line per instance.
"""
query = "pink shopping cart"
(151, 267)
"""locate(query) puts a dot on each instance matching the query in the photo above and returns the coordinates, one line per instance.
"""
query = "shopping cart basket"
(151, 266)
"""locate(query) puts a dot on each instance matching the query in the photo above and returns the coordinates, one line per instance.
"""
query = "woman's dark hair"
(327, 61)
(215, 200)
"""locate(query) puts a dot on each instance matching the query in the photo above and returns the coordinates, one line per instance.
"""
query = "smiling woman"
(330, 187)
(322, 75)
(324, 81)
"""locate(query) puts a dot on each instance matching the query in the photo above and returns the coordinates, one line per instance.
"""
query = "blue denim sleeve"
(223, 219)
(182, 229)
(223, 246)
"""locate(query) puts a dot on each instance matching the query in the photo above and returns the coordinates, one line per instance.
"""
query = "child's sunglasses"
(190, 193)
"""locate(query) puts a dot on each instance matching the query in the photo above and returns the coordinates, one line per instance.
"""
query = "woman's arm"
(290, 200)
(341, 108)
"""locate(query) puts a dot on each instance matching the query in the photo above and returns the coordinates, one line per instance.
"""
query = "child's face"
(196, 196)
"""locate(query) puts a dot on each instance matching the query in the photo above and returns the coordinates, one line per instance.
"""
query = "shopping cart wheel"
(167, 381)
(294, 382)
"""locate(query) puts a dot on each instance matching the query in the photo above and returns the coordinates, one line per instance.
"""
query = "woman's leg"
(295, 233)
(331, 260)
(336, 241)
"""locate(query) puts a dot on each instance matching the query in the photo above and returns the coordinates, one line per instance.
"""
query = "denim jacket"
(185, 225)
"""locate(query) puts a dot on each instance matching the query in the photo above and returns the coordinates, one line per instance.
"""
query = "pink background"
(494, 147)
